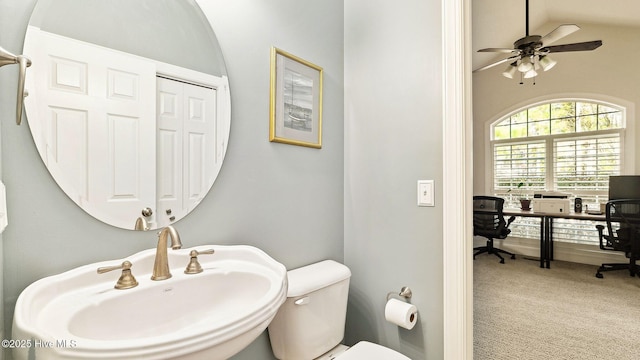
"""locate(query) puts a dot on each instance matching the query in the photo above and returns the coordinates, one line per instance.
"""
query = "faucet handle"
(194, 266)
(126, 280)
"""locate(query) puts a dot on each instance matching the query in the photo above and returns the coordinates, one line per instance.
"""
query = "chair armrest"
(510, 220)
(601, 236)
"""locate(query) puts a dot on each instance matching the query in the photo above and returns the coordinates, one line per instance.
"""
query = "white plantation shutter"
(520, 162)
(585, 164)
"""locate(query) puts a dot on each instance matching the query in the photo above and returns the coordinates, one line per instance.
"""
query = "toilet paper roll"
(401, 313)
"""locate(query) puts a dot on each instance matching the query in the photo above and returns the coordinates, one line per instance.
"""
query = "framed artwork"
(295, 101)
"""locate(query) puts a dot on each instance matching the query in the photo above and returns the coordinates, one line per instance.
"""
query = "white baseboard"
(578, 253)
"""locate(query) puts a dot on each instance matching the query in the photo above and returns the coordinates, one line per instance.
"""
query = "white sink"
(211, 315)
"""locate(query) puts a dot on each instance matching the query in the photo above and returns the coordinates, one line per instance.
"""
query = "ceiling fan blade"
(511, 58)
(499, 50)
(558, 33)
(583, 46)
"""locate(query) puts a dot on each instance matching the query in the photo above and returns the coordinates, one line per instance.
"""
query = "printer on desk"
(551, 202)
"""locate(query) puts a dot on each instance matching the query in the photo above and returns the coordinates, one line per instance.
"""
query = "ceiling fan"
(531, 53)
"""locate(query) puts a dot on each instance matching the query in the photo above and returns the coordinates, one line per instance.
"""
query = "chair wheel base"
(631, 268)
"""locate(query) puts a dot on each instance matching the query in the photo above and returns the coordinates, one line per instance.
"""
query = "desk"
(546, 228)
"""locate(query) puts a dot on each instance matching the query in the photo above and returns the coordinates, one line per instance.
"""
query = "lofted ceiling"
(498, 23)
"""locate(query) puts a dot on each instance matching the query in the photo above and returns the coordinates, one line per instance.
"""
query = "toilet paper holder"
(405, 292)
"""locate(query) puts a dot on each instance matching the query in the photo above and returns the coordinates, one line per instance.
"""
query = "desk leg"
(635, 250)
(542, 241)
(550, 241)
(547, 240)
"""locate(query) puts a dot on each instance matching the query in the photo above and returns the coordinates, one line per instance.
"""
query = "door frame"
(457, 180)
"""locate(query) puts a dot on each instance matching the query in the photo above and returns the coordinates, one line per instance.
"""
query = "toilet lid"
(365, 350)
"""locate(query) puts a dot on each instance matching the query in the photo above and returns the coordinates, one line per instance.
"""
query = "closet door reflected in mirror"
(126, 137)
(186, 124)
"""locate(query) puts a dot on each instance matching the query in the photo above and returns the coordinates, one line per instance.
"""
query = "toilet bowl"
(310, 324)
(361, 351)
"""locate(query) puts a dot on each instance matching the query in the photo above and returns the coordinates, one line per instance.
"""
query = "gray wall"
(354, 200)
(163, 30)
(393, 130)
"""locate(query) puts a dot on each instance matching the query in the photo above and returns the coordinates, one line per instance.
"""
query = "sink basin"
(211, 315)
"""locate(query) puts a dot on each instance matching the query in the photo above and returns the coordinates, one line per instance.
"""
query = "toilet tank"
(311, 321)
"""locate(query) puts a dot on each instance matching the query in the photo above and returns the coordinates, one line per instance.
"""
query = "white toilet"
(310, 324)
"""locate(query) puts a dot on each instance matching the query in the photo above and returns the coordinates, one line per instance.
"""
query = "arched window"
(569, 146)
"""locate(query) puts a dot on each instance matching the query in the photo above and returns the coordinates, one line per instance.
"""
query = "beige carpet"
(524, 312)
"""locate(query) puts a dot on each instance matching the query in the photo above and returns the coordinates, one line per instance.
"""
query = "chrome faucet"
(161, 264)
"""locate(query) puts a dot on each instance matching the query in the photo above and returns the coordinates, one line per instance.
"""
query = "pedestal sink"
(210, 315)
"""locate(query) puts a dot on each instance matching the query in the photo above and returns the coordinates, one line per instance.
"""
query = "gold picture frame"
(295, 110)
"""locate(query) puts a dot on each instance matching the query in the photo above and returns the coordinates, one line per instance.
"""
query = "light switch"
(426, 193)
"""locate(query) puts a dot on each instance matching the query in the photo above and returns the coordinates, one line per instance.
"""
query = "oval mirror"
(128, 106)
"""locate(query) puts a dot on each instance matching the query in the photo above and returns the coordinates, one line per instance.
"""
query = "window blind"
(585, 164)
(516, 163)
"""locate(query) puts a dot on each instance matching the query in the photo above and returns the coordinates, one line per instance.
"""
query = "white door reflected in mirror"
(121, 133)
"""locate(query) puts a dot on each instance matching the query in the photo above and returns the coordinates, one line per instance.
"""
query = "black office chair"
(623, 226)
(489, 222)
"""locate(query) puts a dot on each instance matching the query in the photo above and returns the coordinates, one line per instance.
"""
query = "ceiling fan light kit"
(547, 63)
(531, 53)
(528, 67)
(510, 71)
(531, 73)
(525, 65)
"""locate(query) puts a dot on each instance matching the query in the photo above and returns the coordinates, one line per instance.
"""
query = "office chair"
(489, 222)
(623, 226)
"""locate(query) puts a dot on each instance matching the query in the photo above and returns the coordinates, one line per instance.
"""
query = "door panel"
(105, 102)
(187, 144)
